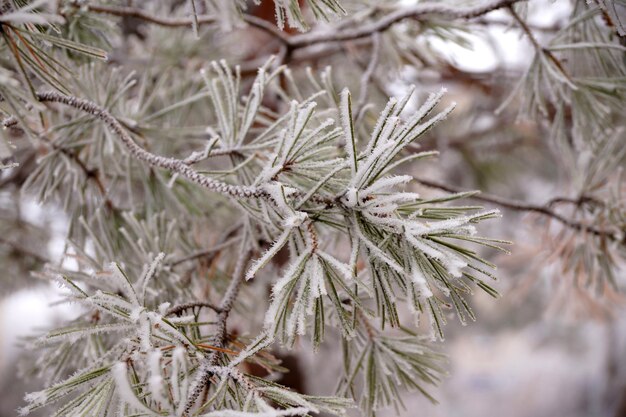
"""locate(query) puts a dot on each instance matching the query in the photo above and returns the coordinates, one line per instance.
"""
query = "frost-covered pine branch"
(223, 195)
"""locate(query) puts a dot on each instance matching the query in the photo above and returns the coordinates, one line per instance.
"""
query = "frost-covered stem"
(172, 164)
(522, 206)
(205, 371)
(413, 12)
(9, 122)
(182, 307)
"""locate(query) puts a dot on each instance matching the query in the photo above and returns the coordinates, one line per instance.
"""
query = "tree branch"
(414, 12)
(308, 39)
(522, 206)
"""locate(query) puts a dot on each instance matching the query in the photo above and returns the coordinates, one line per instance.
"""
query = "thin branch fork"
(204, 372)
(522, 206)
(538, 47)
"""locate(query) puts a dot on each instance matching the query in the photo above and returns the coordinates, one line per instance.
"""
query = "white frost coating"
(269, 254)
(267, 174)
(278, 192)
(155, 381)
(378, 253)
(121, 279)
(163, 307)
(431, 102)
(125, 391)
(314, 137)
(290, 272)
(382, 119)
(302, 117)
(393, 198)
(337, 265)
(36, 398)
(451, 263)
(354, 253)
(458, 222)
(270, 322)
(292, 397)
(297, 320)
(73, 334)
(419, 279)
(145, 333)
(387, 134)
(254, 101)
(346, 124)
(149, 273)
(365, 168)
(136, 313)
(295, 220)
(384, 184)
(318, 287)
(261, 342)
(179, 390)
(351, 198)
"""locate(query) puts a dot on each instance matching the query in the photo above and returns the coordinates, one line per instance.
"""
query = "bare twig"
(522, 206)
(414, 12)
(538, 47)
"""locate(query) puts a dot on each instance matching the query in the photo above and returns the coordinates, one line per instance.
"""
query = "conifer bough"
(179, 301)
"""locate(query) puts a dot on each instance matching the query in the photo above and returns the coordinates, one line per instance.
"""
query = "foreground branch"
(180, 167)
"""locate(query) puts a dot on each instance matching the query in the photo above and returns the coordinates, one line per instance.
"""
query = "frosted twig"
(172, 164)
(182, 307)
(204, 372)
